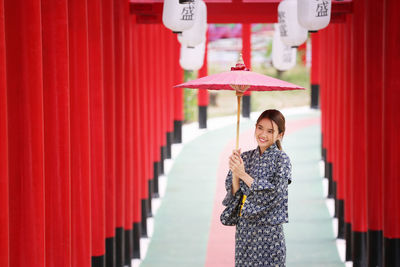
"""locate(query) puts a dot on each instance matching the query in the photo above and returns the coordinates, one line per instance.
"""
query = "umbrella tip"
(240, 60)
(240, 64)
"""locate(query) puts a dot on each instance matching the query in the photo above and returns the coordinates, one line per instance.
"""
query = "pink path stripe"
(221, 241)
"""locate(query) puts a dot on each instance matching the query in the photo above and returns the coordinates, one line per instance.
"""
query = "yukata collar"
(267, 151)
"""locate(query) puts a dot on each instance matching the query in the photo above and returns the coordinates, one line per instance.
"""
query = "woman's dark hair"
(277, 117)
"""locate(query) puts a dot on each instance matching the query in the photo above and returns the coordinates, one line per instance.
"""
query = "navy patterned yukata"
(259, 238)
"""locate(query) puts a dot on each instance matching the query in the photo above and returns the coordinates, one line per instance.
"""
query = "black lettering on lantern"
(322, 8)
(188, 11)
(282, 24)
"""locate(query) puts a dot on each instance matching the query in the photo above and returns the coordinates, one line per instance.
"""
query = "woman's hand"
(236, 164)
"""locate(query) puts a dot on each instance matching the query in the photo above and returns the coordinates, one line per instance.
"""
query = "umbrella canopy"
(239, 79)
(225, 80)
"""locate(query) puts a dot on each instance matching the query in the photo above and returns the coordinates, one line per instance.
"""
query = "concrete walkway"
(187, 231)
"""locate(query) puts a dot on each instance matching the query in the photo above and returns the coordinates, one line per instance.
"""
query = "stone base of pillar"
(202, 117)
(177, 132)
(315, 96)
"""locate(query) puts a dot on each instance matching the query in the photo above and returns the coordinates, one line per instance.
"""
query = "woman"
(259, 178)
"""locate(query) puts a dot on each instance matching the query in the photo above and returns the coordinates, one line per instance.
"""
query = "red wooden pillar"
(178, 94)
(97, 140)
(321, 71)
(340, 152)
(329, 108)
(120, 123)
(373, 55)
(315, 47)
(334, 111)
(246, 51)
(358, 141)
(170, 90)
(348, 206)
(302, 50)
(163, 97)
(391, 132)
(202, 95)
(144, 133)
(128, 135)
(57, 132)
(25, 133)
(138, 159)
(80, 133)
(157, 95)
(109, 128)
(153, 100)
(4, 179)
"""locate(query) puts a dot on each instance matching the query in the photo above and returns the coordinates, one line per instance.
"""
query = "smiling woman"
(257, 186)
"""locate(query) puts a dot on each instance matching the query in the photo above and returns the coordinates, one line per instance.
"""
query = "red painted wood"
(170, 78)
(154, 97)
(57, 132)
(302, 50)
(144, 103)
(202, 95)
(348, 39)
(321, 69)
(335, 102)
(231, 11)
(315, 44)
(4, 215)
(328, 88)
(163, 82)
(120, 113)
(178, 79)
(25, 132)
(97, 157)
(138, 159)
(246, 47)
(109, 114)
(358, 141)
(391, 120)
(339, 111)
(129, 198)
(374, 110)
(80, 133)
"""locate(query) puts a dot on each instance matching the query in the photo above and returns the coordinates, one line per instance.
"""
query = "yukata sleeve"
(284, 171)
(229, 197)
(270, 192)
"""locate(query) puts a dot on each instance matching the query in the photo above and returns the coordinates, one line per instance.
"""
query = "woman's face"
(267, 133)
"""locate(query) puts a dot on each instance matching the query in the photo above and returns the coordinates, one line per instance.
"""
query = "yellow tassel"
(241, 206)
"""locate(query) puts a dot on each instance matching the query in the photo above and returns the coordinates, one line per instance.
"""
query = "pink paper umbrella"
(239, 79)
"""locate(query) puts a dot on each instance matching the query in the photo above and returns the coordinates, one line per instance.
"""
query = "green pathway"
(309, 235)
(183, 220)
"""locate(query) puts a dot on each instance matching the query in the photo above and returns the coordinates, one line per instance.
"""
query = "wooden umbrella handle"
(240, 89)
(239, 98)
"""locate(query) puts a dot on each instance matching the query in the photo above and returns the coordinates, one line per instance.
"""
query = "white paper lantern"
(178, 17)
(192, 58)
(196, 34)
(314, 15)
(292, 33)
(283, 56)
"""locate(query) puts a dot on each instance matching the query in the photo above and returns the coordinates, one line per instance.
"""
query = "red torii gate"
(235, 11)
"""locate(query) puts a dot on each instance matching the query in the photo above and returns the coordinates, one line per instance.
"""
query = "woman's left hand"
(236, 164)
